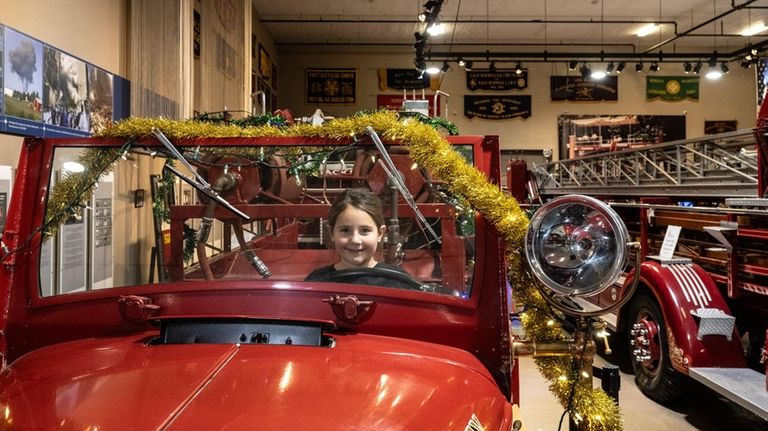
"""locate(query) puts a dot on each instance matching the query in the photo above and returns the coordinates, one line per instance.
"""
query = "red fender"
(679, 289)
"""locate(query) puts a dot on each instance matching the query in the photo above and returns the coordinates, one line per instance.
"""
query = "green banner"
(672, 87)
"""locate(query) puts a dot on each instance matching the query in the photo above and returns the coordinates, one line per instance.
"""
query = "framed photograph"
(265, 65)
(712, 127)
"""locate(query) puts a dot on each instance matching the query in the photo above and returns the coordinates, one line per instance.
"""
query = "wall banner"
(497, 107)
(500, 80)
(672, 88)
(575, 88)
(331, 86)
(407, 79)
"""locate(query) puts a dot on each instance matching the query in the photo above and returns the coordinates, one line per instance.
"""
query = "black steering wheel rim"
(351, 274)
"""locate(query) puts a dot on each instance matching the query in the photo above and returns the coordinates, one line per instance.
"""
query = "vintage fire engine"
(699, 210)
(154, 283)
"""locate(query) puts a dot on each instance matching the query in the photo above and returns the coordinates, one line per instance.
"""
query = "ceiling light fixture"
(586, 72)
(713, 72)
(468, 65)
(647, 29)
(572, 65)
(462, 63)
(754, 29)
(432, 69)
(697, 68)
(687, 67)
(724, 67)
(610, 67)
(518, 69)
(620, 67)
(654, 67)
(436, 29)
(492, 67)
(445, 67)
(639, 66)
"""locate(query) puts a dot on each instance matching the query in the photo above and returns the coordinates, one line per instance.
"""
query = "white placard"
(670, 242)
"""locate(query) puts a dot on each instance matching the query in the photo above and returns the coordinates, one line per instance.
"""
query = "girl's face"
(356, 237)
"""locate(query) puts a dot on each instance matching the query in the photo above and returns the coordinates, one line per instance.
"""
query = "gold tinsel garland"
(595, 409)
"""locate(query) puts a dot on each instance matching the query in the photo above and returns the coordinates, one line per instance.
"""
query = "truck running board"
(744, 386)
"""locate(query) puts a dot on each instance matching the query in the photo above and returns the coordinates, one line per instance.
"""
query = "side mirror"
(577, 247)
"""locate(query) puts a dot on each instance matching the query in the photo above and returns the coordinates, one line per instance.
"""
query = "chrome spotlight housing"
(577, 247)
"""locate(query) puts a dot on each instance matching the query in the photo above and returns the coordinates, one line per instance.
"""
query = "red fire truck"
(699, 210)
(153, 283)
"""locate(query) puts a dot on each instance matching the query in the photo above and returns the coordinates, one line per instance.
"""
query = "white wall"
(93, 30)
(730, 98)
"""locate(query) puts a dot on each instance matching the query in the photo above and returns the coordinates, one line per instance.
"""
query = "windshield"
(149, 217)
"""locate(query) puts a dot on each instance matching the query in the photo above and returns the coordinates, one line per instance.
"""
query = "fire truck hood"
(361, 382)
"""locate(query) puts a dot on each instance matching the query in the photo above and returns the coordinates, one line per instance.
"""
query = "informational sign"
(47, 92)
(331, 86)
(672, 88)
(497, 107)
(575, 88)
(407, 79)
(669, 245)
(498, 80)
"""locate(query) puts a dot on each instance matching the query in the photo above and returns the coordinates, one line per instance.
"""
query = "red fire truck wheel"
(649, 352)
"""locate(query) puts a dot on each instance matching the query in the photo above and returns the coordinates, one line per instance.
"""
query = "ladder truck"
(699, 210)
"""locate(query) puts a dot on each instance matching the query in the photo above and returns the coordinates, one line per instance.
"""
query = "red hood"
(363, 382)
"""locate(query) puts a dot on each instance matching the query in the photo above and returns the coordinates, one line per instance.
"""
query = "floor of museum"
(700, 410)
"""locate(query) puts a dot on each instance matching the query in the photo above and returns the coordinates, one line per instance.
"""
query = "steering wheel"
(401, 279)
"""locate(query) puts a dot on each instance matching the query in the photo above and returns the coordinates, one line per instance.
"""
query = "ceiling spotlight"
(620, 67)
(687, 67)
(462, 63)
(436, 28)
(746, 64)
(724, 67)
(639, 66)
(654, 67)
(518, 69)
(445, 67)
(697, 68)
(610, 67)
(433, 70)
(423, 16)
(468, 65)
(492, 67)
(586, 72)
(598, 74)
(572, 64)
(713, 72)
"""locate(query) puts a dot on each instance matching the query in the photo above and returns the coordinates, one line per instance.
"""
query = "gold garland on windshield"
(591, 406)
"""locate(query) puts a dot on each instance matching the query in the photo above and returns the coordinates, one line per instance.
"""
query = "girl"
(357, 228)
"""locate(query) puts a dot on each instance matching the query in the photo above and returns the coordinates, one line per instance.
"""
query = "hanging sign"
(499, 80)
(672, 88)
(407, 79)
(331, 86)
(497, 107)
(575, 88)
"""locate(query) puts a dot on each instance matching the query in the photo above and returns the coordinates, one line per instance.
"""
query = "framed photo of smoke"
(48, 92)
(331, 86)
